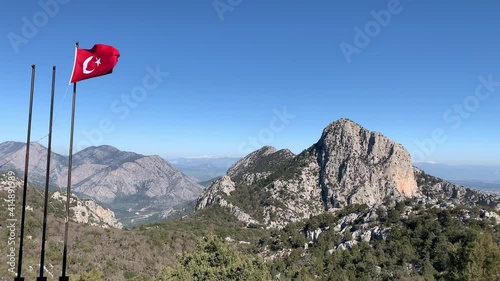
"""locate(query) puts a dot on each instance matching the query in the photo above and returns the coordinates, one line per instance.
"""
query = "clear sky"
(242, 74)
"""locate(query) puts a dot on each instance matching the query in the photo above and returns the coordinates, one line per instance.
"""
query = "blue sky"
(259, 73)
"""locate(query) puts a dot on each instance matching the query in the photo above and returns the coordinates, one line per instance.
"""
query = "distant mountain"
(12, 157)
(135, 186)
(204, 168)
(493, 187)
(348, 165)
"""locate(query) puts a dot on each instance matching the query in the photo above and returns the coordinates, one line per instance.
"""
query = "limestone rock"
(362, 167)
(88, 212)
(259, 164)
(213, 195)
(433, 189)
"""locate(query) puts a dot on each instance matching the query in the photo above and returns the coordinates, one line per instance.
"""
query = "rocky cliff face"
(83, 211)
(348, 165)
(89, 212)
(361, 167)
(217, 194)
(127, 182)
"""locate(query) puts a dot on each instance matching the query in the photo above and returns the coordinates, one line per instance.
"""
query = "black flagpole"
(25, 185)
(47, 180)
(63, 276)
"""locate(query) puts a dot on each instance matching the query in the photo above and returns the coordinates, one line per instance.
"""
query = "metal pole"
(47, 179)
(25, 185)
(63, 276)
(68, 191)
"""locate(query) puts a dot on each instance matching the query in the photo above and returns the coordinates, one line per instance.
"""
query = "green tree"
(484, 259)
(93, 275)
(428, 270)
(347, 235)
(214, 260)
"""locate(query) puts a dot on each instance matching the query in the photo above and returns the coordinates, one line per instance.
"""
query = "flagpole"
(47, 179)
(25, 184)
(63, 276)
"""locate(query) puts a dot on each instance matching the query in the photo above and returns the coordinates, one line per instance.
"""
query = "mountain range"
(348, 165)
(137, 188)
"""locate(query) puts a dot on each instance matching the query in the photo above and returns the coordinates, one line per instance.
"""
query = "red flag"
(98, 61)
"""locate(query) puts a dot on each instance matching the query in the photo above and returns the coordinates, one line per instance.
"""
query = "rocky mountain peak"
(349, 165)
(250, 159)
(102, 149)
(104, 155)
(10, 146)
(362, 166)
(259, 164)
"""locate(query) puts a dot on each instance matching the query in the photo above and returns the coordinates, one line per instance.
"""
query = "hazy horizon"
(213, 156)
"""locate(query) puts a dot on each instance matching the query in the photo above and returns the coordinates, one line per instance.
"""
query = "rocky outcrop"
(365, 226)
(259, 165)
(348, 165)
(433, 190)
(88, 212)
(298, 192)
(248, 163)
(217, 193)
(361, 167)
(223, 185)
(214, 194)
(83, 211)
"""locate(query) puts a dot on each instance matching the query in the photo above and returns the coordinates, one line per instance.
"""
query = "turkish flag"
(98, 61)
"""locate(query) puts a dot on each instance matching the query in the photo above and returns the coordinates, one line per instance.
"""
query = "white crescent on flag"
(85, 64)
